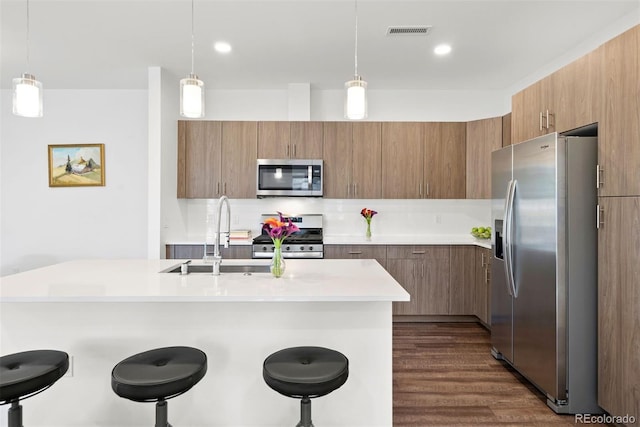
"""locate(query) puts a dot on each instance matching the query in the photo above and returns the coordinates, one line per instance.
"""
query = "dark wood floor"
(444, 374)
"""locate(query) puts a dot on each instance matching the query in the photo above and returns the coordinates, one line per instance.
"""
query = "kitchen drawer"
(417, 251)
(377, 252)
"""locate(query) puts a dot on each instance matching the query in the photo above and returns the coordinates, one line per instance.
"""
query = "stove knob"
(302, 248)
(264, 249)
(272, 247)
(288, 248)
(310, 248)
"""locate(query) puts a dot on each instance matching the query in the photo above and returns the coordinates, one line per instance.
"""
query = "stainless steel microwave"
(289, 177)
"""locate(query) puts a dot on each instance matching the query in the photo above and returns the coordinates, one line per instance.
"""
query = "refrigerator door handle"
(505, 236)
(508, 254)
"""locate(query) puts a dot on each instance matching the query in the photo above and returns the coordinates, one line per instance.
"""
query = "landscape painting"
(76, 165)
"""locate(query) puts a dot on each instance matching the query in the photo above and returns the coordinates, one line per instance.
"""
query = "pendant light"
(192, 88)
(355, 101)
(27, 91)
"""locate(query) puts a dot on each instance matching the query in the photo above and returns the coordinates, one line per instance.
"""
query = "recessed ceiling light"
(442, 49)
(222, 47)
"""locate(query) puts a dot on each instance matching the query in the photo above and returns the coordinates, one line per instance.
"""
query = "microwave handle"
(309, 176)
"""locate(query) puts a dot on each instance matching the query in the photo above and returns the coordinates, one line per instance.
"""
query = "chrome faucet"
(217, 258)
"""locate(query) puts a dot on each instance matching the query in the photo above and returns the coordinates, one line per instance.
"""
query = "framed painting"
(76, 165)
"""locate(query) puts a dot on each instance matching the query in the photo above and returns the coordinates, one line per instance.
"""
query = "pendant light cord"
(28, 62)
(192, 40)
(356, 48)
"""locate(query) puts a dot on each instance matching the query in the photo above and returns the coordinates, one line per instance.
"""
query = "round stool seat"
(305, 371)
(158, 374)
(24, 373)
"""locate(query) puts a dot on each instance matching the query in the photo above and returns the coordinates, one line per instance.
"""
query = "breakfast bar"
(101, 311)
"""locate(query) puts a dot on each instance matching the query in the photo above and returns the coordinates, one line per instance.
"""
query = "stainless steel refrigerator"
(544, 270)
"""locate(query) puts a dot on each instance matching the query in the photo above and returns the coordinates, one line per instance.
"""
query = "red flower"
(278, 229)
(368, 213)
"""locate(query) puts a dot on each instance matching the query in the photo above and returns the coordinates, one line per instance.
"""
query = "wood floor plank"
(444, 375)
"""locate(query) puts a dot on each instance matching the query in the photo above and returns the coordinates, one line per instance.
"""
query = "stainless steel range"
(306, 243)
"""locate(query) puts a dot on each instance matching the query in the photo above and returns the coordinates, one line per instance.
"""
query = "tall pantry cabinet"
(619, 228)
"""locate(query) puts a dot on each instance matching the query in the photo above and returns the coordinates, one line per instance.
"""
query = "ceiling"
(110, 44)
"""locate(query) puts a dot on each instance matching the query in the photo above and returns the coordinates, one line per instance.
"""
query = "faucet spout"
(217, 258)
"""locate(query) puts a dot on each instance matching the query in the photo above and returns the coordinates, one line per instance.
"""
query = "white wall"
(42, 225)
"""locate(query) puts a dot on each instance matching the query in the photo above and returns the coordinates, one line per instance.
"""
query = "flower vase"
(277, 262)
(368, 234)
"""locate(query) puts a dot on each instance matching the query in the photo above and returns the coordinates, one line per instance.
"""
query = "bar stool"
(26, 374)
(158, 375)
(305, 373)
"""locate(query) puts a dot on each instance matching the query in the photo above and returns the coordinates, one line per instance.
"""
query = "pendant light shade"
(355, 99)
(192, 97)
(355, 105)
(192, 88)
(27, 96)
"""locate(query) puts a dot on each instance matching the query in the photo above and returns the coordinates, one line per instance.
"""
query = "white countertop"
(141, 281)
(409, 239)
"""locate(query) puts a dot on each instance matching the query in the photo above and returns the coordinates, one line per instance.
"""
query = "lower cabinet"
(377, 252)
(424, 271)
(482, 290)
(197, 251)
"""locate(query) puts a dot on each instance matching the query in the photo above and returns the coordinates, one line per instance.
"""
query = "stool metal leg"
(305, 413)
(162, 417)
(15, 414)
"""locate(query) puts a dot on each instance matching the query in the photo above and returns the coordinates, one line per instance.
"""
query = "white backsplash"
(342, 216)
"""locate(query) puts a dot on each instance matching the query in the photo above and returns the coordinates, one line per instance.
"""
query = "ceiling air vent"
(413, 30)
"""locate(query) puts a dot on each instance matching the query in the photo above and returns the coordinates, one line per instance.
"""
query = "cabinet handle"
(599, 217)
(418, 252)
(487, 276)
(355, 252)
(422, 269)
(287, 151)
(548, 120)
(541, 120)
(599, 173)
(225, 188)
(420, 189)
(482, 264)
(294, 150)
(427, 189)
(218, 189)
(348, 190)
(355, 190)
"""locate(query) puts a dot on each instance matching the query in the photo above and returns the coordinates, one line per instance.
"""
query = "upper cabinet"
(352, 160)
(532, 111)
(506, 130)
(483, 137)
(423, 160)
(445, 160)
(290, 140)
(403, 158)
(619, 132)
(216, 158)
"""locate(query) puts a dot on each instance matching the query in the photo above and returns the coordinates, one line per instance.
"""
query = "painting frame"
(76, 171)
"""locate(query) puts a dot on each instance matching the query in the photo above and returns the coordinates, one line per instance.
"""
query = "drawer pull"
(418, 252)
(355, 252)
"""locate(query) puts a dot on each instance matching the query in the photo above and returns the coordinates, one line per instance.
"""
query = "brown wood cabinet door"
(619, 142)
(239, 153)
(273, 140)
(402, 160)
(619, 306)
(407, 273)
(306, 140)
(452, 179)
(577, 91)
(482, 304)
(483, 136)
(506, 130)
(462, 289)
(529, 112)
(337, 149)
(198, 158)
(366, 176)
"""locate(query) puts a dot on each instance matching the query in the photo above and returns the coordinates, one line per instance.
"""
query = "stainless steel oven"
(289, 177)
(306, 243)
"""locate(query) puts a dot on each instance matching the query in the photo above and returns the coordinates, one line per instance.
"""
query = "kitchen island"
(101, 311)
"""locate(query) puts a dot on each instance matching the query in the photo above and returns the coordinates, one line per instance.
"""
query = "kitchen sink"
(224, 268)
